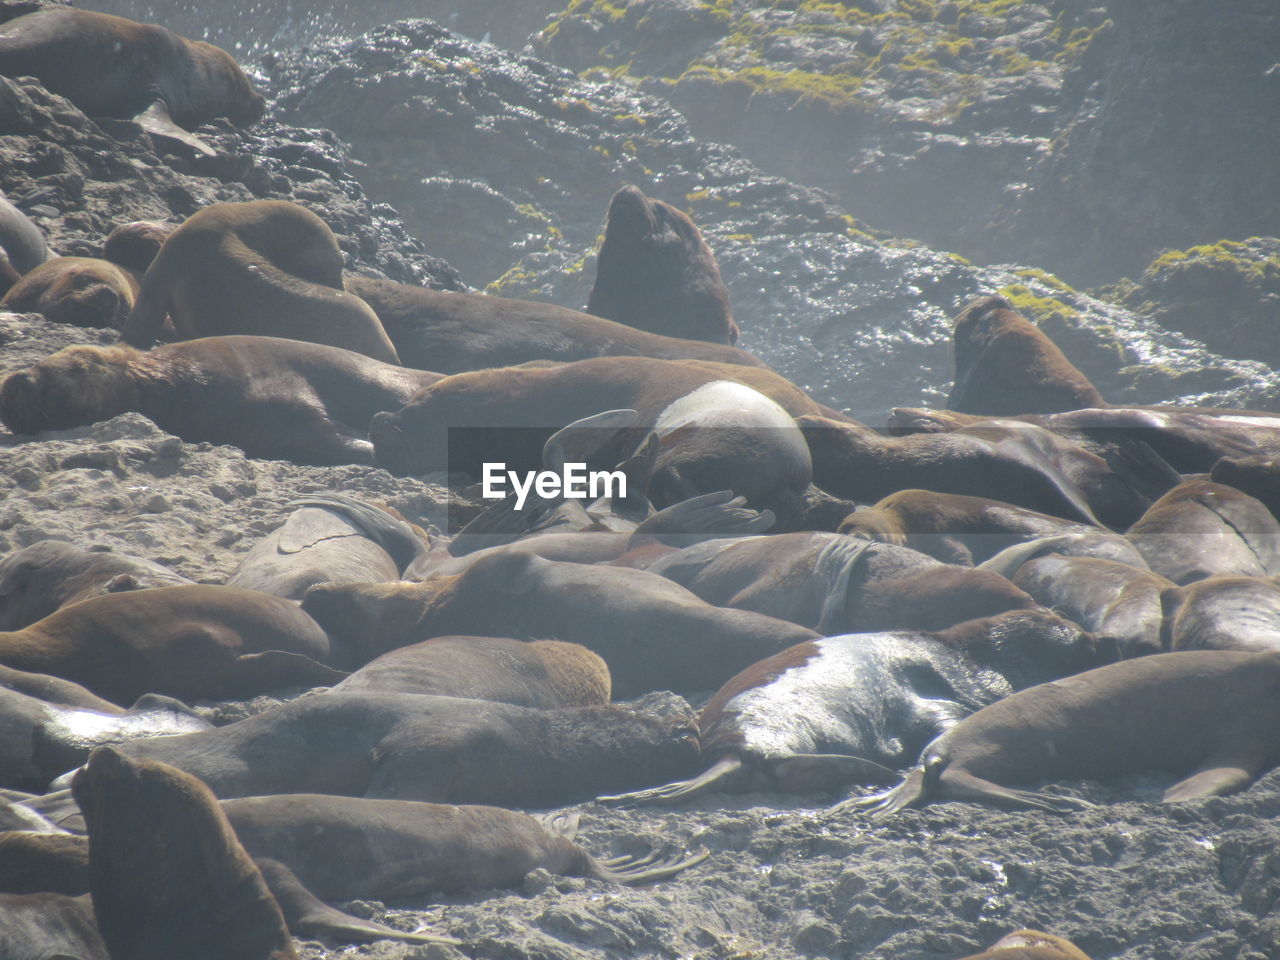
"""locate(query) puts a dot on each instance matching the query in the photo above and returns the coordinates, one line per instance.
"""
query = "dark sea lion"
(21, 243)
(1259, 477)
(51, 574)
(1206, 716)
(511, 400)
(261, 268)
(329, 539)
(1224, 613)
(653, 634)
(404, 746)
(191, 642)
(953, 528)
(1030, 945)
(1201, 528)
(273, 398)
(655, 272)
(112, 67)
(165, 868)
(1006, 366)
(1109, 599)
(527, 673)
(81, 291)
(134, 245)
(842, 709)
(838, 584)
(454, 332)
(49, 926)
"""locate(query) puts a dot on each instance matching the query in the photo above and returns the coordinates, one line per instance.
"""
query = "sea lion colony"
(1005, 588)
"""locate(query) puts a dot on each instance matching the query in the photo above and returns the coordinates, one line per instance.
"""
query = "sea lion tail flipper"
(576, 442)
(157, 122)
(721, 775)
(910, 792)
(959, 784)
(718, 514)
(308, 916)
(816, 772)
(1214, 779)
(633, 871)
(1138, 465)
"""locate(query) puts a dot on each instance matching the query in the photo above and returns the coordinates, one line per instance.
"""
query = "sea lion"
(55, 690)
(1109, 599)
(49, 926)
(190, 642)
(1006, 366)
(328, 539)
(112, 67)
(1201, 528)
(1094, 543)
(455, 332)
(838, 584)
(21, 244)
(1259, 477)
(134, 245)
(51, 574)
(1030, 945)
(81, 291)
(1224, 613)
(273, 398)
(1206, 716)
(262, 268)
(523, 406)
(534, 673)
(953, 528)
(845, 708)
(41, 740)
(653, 634)
(405, 746)
(655, 272)
(42, 862)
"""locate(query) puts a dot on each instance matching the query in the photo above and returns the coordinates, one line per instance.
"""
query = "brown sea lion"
(1201, 528)
(655, 272)
(262, 268)
(455, 332)
(190, 642)
(533, 673)
(112, 67)
(1006, 366)
(166, 869)
(1030, 945)
(653, 634)
(134, 245)
(1224, 613)
(40, 862)
(405, 746)
(846, 708)
(51, 574)
(1206, 716)
(273, 398)
(22, 246)
(512, 400)
(953, 528)
(81, 291)
(1107, 598)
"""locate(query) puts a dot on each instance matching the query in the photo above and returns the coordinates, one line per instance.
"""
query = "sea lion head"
(235, 97)
(75, 386)
(872, 523)
(371, 616)
(134, 245)
(1030, 646)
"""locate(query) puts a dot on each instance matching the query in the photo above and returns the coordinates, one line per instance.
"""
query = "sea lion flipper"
(308, 916)
(576, 442)
(959, 784)
(1210, 781)
(273, 669)
(157, 122)
(633, 871)
(719, 776)
(814, 772)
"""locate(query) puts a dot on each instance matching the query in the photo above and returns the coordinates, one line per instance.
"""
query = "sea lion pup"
(843, 709)
(41, 740)
(512, 400)
(192, 642)
(454, 332)
(1224, 613)
(1030, 945)
(1259, 477)
(51, 574)
(81, 291)
(838, 584)
(536, 673)
(273, 398)
(1201, 528)
(328, 539)
(1109, 599)
(407, 746)
(653, 634)
(265, 268)
(1207, 716)
(655, 272)
(22, 246)
(952, 528)
(112, 67)
(1006, 366)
